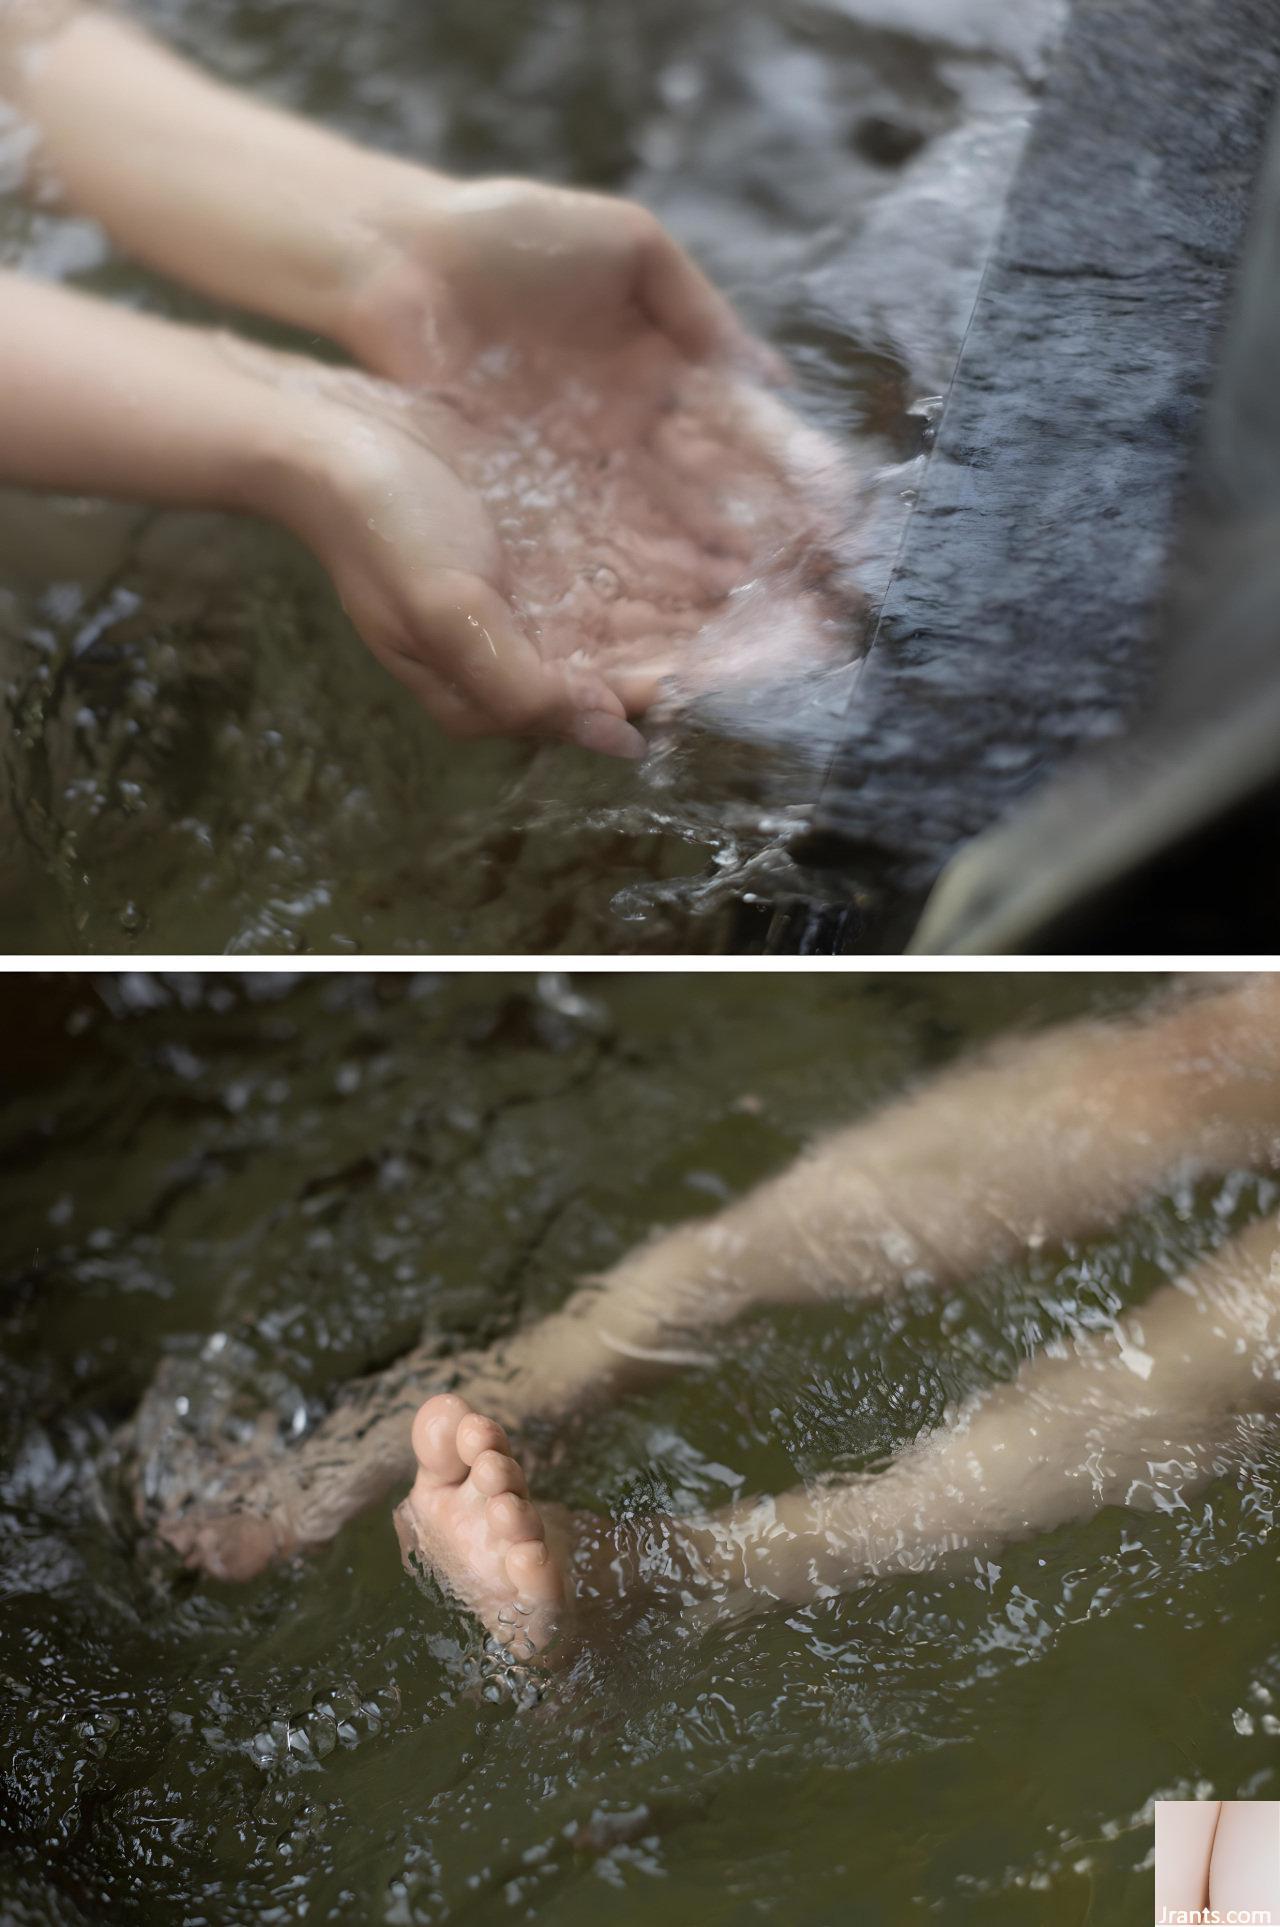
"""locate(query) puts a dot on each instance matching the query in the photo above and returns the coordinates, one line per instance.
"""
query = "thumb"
(701, 322)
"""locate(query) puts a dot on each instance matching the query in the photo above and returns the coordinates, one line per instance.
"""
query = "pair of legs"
(1137, 1415)
(1048, 1137)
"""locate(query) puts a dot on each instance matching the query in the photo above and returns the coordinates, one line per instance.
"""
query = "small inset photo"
(1218, 1863)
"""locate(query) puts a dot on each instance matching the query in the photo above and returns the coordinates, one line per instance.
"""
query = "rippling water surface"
(197, 754)
(318, 1170)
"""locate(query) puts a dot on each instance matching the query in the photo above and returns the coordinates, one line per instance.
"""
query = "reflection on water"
(317, 1171)
(198, 755)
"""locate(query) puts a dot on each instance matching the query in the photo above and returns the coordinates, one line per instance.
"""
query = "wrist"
(396, 244)
(283, 468)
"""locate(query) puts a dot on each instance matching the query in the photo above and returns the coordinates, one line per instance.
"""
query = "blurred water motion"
(276, 1184)
(198, 757)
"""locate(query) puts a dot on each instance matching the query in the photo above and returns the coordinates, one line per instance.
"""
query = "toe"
(510, 1517)
(534, 1574)
(435, 1439)
(495, 1472)
(478, 1434)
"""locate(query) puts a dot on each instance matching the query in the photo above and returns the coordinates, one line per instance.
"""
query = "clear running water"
(318, 1169)
(198, 757)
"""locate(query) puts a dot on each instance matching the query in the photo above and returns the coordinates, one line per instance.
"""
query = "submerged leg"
(1049, 1137)
(1140, 1415)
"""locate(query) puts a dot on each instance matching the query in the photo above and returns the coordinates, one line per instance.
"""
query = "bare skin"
(615, 509)
(469, 1518)
(567, 468)
(1048, 1137)
(1140, 1417)
(1219, 1855)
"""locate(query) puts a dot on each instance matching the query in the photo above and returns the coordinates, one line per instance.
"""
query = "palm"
(630, 496)
(582, 450)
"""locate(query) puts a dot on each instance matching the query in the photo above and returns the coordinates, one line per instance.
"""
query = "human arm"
(99, 400)
(409, 270)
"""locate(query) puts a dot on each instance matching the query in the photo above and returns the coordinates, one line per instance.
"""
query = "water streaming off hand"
(198, 755)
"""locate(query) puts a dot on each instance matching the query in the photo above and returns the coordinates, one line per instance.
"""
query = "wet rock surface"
(1020, 623)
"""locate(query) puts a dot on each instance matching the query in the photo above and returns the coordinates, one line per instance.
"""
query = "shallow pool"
(197, 754)
(321, 1168)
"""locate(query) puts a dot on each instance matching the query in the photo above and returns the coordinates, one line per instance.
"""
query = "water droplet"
(323, 1733)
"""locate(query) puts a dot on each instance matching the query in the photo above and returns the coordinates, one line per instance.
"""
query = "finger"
(807, 457)
(466, 721)
(680, 300)
(635, 623)
(684, 573)
(682, 566)
(607, 734)
(640, 685)
(634, 675)
(455, 715)
(475, 643)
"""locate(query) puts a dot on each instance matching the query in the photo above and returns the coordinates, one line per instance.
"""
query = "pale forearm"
(97, 400)
(249, 204)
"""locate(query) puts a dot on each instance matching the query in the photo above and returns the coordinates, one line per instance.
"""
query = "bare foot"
(228, 1545)
(470, 1519)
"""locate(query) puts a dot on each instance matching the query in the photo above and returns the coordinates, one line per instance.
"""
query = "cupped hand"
(551, 272)
(616, 416)
(425, 579)
(541, 558)
(581, 485)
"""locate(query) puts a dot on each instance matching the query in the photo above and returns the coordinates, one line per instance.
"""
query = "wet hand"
(423, 576)
(459, 268)
(615, 417)
(543, 558)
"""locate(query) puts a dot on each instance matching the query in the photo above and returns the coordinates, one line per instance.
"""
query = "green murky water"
(197, 754)
(322, 1168)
